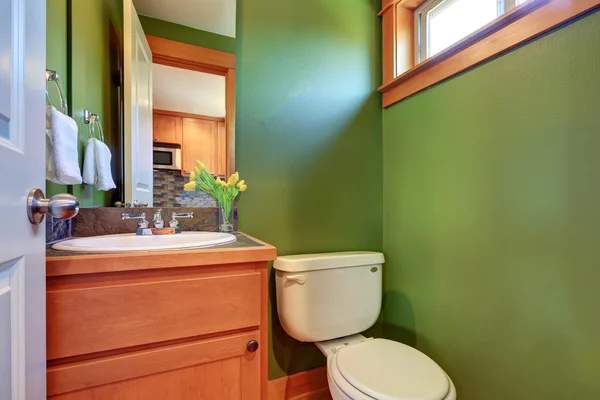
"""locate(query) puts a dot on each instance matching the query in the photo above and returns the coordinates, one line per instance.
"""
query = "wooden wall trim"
(516, 27)
(165, 50)
(408, 4)
(305, 385)
(188, 115)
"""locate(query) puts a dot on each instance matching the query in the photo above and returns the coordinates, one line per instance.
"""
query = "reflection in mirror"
(161, 78)
(189, 125)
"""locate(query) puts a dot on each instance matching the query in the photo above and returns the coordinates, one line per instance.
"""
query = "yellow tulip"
(243, 188)
(219, 181)
(241, 183)
(200, 166)
(189, 187)
(192, 176)
(233, 179)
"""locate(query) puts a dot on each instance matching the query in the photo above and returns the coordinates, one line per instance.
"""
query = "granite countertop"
(242, 241)
(245, 250)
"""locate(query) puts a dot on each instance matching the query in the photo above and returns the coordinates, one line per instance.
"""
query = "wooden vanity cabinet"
(218, 368)
(156, 332)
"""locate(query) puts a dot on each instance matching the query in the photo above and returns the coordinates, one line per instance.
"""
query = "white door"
(22, 166)
(138, 108)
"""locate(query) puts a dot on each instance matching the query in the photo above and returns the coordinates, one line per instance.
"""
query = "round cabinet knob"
(61, 206)
(252, 346)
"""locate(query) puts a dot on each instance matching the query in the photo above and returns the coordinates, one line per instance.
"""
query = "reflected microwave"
(166, 156)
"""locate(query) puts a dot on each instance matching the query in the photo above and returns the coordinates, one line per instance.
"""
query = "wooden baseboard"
(307, 385)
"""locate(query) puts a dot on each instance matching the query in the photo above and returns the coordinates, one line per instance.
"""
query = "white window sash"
(421, 24)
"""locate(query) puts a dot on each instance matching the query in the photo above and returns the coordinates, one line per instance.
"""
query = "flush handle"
(300, 279)
(61, 206)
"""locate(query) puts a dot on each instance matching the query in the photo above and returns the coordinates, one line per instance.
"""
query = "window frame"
(403, 77)
(421, 23)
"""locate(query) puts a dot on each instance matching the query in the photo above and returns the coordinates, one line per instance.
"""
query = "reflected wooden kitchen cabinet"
(166, 128)
(199, 143)
(201, 138)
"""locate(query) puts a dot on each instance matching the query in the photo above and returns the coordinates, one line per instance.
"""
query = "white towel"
(89, 162)
(62, 160)
(105, 181)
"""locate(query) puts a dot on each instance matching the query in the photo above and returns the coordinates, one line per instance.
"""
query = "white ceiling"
(187, 91)
(217, 16)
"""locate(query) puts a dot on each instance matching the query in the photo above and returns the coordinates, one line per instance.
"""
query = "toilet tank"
(327, 296)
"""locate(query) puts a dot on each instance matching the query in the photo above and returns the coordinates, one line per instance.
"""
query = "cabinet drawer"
(113, 315)
(218, 368)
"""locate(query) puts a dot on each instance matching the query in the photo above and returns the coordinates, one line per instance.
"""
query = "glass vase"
(225, 224)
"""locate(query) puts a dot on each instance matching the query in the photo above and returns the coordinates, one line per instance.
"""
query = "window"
(428, 41)
(441, 23)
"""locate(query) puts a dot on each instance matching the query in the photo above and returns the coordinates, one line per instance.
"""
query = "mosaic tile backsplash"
(57, 229)
(168, 192)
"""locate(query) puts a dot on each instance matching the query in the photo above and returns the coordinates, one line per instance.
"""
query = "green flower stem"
(223, 194)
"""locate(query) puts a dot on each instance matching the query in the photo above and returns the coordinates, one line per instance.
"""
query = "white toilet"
(324, 298)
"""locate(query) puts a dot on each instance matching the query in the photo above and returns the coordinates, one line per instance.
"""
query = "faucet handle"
(143, 224)
(174, 223)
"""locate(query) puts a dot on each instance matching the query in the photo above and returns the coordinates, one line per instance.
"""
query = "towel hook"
(52, 76)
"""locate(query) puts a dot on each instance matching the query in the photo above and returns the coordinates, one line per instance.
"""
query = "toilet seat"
(386, 370)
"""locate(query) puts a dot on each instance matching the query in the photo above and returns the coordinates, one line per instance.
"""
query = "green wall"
(78, 46)
(309, 136)
(492, 219)
(91, 80)
(185, 34)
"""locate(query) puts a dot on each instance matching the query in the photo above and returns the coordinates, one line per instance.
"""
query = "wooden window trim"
(514, 28)
(196, 58)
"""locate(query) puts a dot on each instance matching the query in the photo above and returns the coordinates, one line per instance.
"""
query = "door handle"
(61, 206)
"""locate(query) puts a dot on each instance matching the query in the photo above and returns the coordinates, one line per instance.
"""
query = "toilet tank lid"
(313, 262)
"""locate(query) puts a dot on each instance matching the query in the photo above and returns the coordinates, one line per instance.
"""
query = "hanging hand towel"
(62, 131)
(89, 162)
(103, 157)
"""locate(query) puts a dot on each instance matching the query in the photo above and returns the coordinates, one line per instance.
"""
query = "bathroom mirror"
(160, 79)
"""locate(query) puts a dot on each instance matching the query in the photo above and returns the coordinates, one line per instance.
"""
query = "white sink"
(128, 242)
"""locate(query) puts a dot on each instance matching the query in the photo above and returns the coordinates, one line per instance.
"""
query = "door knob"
(61, 206)
(252, 346)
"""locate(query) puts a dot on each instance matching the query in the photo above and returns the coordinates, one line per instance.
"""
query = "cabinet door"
(167, 129)
(221, 149)
(211, 369)
(199, 143)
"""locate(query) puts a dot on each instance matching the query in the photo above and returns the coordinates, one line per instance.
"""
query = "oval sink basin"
(128, 242)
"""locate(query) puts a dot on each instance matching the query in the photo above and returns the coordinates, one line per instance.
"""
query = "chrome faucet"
(143, 224)
(159, 223)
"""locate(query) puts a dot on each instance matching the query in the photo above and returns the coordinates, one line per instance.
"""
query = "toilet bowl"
(380, 369)
(328, 299)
